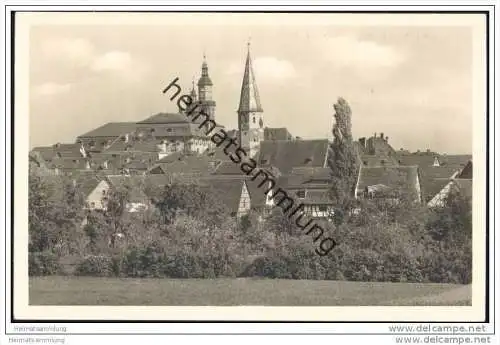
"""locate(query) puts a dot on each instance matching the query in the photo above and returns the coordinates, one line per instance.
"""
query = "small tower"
(250, 112)
(205, 91)
(193, 95)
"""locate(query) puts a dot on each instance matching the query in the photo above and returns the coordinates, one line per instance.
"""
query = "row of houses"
(298, 166)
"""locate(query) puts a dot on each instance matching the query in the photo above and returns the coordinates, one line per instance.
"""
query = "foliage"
(55, 209)
(186, 237)
(192, 200)
(43, 263)
(95, 265)
(342, 159)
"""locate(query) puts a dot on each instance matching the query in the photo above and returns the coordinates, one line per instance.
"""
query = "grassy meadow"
(62, 290)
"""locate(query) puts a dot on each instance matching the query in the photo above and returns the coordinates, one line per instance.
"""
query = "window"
(253, 119)
(322, 208)
(301, 194)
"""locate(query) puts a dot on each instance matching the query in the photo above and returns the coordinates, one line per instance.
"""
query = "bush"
(270, 267)
(96, 265)
(144, 262)
(43, 263)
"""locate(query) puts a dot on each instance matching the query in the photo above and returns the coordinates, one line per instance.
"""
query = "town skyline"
(411, 83)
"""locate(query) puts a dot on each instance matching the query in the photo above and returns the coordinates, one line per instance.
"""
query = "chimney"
(381, 135)
(362, 141)
(386, 139)
(375, 134)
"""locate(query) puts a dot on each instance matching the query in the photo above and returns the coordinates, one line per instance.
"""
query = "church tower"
(250, 117)
(205, 91)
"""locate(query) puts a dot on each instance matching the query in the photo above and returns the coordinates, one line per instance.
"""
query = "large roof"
(163, 118)
(465, 187)
(277, 134)
(433, 179)
(133, 144)
(466, 172)
(48, 153)
(86, 184)
(111, 129)
(288, 154)
(403, 177)
(179, 163)
(427, 160)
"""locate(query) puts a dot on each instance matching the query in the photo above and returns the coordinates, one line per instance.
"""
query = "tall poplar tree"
(343, 157)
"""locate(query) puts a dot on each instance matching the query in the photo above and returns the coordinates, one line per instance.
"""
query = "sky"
(413, 83)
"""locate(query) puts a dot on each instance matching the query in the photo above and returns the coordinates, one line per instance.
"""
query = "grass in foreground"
(240, 291)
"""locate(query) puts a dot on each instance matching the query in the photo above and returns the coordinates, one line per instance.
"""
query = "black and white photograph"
(238, 165)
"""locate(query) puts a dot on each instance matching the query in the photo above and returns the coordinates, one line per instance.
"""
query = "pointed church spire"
(193, 91)
(249, 98)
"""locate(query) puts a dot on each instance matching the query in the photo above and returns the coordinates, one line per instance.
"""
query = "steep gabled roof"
(86, 184)
(433, 179)
(394, 177)
(277, 134)
(286, 154)
(111, 129)
(465, 187)
(228, 168)
(466, 172)
(430, 188)
(228, 191)
(48, 153)
(308, 176)
(377, 160)
(182, 163)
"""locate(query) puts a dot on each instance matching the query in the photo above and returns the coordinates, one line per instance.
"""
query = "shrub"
(95, 265)
(43, 263)
(144, 262)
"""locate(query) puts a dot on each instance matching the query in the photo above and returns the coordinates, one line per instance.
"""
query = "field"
(239, 291)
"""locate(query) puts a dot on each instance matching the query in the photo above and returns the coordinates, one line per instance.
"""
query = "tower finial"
(248, 43)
